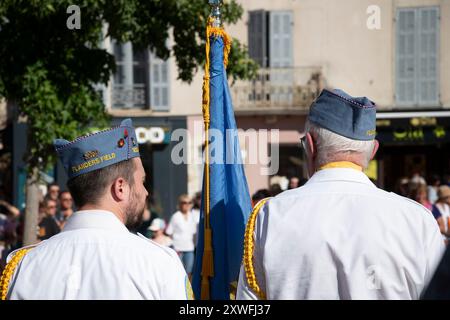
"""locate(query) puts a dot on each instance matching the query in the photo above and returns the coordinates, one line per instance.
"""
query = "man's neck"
(341, 164)
(109, 208)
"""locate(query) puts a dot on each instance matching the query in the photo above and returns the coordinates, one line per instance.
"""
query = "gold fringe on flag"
(208, 257)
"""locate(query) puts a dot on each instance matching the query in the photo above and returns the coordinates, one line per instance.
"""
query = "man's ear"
(375, 149)
(120, 189)
(310, 145)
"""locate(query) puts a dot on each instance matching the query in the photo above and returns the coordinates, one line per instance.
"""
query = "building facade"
(396, 52)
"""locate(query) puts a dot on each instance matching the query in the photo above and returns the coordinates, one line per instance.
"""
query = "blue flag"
(229, 198)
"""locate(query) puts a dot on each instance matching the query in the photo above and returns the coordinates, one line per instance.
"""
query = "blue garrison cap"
(351, 117)
(98, 150)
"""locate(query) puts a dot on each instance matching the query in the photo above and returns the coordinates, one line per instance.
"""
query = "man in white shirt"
(339, 236)
(95, 256)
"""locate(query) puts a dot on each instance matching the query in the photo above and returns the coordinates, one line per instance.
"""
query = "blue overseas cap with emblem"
(98, 150)
(351, 117)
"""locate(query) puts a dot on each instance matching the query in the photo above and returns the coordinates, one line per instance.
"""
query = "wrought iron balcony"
(125, 97)
(278, 90)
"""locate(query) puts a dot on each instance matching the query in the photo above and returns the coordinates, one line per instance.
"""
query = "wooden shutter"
(159, 84)
(405, 57)
(417, 57)
(281, 39)
(281, 58)
(257, 31)
(428, 33)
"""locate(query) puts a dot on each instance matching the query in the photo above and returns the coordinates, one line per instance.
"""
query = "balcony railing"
(124, 97)
(278, 89)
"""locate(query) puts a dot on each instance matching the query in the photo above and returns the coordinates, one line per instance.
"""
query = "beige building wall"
(334, 34)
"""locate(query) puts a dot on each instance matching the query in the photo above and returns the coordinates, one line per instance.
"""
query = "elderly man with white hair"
(339, 236)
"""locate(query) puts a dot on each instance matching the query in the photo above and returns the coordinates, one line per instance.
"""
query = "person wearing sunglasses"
(339, 236)
(49, 226)
(183, 228)
(65, 206)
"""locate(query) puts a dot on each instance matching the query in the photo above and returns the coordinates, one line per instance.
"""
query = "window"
(270, 38)
(417, 57)
(270, 44)
(141, 79)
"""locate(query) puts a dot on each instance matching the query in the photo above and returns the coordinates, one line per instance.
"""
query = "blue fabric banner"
(229, 196)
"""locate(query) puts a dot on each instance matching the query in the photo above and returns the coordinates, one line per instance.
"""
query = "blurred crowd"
(180, 231)
(433, 194)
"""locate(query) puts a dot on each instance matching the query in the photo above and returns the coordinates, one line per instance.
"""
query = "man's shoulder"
(401, 200)
(14, 252)
(151, 247)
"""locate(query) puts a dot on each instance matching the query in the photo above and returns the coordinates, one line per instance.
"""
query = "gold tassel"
(249, 247)
(9, 271)
(208, 258)
(208, 262)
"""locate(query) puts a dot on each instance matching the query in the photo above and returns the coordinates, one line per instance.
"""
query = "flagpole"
(215, 12)
(208, 260)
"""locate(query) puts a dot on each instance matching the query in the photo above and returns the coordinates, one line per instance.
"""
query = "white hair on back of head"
(334, 147)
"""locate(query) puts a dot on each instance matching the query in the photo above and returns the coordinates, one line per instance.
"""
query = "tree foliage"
(50, 72)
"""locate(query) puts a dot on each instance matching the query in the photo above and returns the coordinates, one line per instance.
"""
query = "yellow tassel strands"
(9, 272)
(249, 247)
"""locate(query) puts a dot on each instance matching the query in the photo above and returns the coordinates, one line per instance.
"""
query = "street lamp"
(215, 12)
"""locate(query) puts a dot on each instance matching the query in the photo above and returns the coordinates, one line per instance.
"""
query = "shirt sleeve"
(178, 286)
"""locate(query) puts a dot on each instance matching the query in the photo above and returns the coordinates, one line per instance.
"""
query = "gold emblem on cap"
(90, 154)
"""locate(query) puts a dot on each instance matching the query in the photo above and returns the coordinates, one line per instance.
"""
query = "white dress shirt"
(96, 257)
(340, 237)
(183, 228)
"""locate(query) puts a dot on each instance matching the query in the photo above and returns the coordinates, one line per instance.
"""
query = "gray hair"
(333, 147)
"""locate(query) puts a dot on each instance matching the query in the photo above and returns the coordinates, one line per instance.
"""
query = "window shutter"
(257, 30)
(281, 39)
(428, 32)
(159, 84)
(281, 58)
(405, 58)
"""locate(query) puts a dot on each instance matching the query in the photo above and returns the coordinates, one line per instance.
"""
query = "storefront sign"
(154, 135)
(425, 130)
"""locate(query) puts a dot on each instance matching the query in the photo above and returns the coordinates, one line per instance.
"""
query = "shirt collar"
(94, 219)
(340, 174)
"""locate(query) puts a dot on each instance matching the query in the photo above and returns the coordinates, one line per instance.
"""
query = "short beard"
(134, 216)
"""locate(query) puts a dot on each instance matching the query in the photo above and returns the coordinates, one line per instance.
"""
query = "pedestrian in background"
(53, 192)
(157, 228)
(49, 226)
(182, 228)
(441, 210)
(259, 195)
(433, 188)
(294, 182)
(65, 208)
(419, 193)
